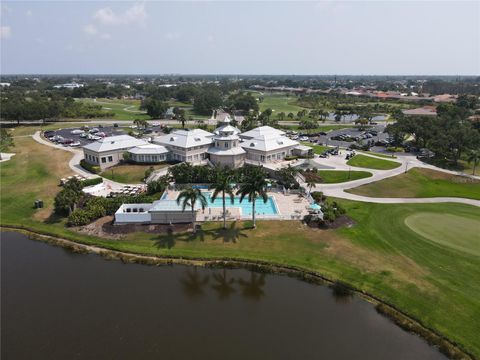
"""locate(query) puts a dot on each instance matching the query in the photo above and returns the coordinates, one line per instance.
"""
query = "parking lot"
(346, 136)
(83, 135)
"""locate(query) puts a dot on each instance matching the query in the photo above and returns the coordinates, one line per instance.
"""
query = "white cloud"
(90, 30)
(134, 14)
(105, 36)
(29, 13)
(5, 32)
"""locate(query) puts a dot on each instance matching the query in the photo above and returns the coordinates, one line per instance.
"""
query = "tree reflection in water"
(223, 286)
(193, 282)
(253, 288)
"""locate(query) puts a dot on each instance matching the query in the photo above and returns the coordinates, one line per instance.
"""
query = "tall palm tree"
(311, 184)
(253, 187)
(223, 185)
(189, 197)
(474, 156)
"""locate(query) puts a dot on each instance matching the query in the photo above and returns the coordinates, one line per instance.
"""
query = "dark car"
(115, 125)
(322, 133)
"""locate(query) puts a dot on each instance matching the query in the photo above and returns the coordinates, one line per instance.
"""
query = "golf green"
(450, 230)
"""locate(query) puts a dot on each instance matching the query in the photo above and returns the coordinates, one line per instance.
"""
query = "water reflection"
(223, 285)
(194, 285)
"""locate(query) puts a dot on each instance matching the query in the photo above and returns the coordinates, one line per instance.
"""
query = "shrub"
(318, 196)
(96, 211)
(291, 157)
(393, 149)
(78, 218)
(89, 167)
(90, 182)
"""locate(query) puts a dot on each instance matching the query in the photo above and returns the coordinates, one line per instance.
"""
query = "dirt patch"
(342, 221)
(105, 228)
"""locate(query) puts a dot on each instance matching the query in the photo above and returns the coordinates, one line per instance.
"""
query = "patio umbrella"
(315, 207)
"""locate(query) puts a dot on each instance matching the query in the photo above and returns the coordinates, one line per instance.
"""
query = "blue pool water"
(261, 208)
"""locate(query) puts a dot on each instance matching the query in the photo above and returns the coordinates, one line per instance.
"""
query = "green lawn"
(123, 109)
(369, 162)
(384, 253)
(317, 149)
(280, 103)
(418, 182)
(339, 176)
(386, 156)
(128, 173)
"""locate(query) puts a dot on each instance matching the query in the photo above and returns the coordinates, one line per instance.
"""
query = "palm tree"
(189, 197)
(223, 185)
(474, 157)
(253, 187)
(311, 184)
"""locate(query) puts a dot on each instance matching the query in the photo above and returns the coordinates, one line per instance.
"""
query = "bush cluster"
(89, 167)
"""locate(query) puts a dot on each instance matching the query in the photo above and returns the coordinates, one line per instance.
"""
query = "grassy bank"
(419, 182)
(369, 162)
(339, 176)
(431, 281)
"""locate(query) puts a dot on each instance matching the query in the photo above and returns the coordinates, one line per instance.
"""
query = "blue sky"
(228, 37)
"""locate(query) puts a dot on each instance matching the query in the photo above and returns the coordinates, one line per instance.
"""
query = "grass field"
(386, 156)
(434, 282)
(280, 103)
(339, 176)
(123, 109)
(369, 162)
(128, 173)
(317, 149)
(419, 182)
(450, 230)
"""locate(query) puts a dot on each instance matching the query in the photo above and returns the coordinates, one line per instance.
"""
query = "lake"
(61, 305)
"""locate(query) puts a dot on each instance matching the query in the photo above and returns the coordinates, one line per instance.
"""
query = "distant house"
(169, 114)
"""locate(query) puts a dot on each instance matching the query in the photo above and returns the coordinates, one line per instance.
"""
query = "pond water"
(353, 117)
(60, 305)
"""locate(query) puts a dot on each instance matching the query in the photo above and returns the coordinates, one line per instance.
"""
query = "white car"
(76, 132)
(304, 138)
(295, 137)
(83, 135)
(75, 144)
(93, 131)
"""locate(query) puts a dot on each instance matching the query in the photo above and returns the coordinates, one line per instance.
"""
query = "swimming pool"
(261, 208)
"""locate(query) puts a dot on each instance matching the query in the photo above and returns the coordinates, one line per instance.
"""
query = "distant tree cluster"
(450, 135)
(20, 108)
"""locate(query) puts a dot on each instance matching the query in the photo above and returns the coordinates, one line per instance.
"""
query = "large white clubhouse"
(226, 146)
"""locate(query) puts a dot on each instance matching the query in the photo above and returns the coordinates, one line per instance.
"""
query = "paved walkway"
(407, 162)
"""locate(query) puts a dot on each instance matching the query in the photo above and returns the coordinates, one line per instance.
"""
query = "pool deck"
(289, 206)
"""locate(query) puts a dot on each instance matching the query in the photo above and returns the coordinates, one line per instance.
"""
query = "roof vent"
(172, 139)
(197, 139)
(252, 144)
(113, 142)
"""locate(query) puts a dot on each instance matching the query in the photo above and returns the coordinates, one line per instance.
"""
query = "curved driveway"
(407, 162)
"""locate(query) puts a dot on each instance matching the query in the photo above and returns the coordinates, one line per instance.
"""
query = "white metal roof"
(219, 151)
(268, 143)
(150, 149)
(115, 143)
(262, 131)
(185, 139)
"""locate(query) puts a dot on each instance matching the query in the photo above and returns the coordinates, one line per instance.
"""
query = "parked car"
(93, 131)
(322, 133)
(57, 138)
(75, 144)
(84, 135)
(67, 141)
(115, 125)
(101, 134)
(76, 132)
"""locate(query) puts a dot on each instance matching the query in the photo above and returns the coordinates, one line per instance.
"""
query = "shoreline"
(400, 318)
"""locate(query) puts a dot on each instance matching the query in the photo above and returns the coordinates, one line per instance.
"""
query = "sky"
(247, 37)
